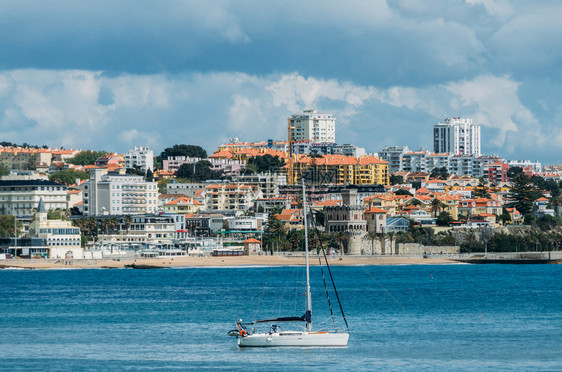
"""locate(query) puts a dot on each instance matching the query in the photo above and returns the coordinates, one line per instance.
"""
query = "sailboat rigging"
(248, 337)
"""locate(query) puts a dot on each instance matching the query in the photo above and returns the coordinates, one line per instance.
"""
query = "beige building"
(23, 158)
(228, 196)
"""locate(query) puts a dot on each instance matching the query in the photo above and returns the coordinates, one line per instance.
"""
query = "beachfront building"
(20, 197)
(141, 157)
(313, 126)
(61, 239)
(115, 193)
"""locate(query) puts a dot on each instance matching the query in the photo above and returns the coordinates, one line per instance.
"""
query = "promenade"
(191, 261)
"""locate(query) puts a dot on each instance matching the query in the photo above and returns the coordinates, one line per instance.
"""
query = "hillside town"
(244, 198)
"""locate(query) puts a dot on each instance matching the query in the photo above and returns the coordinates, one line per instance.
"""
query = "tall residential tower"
(457, 136)
(313, 126)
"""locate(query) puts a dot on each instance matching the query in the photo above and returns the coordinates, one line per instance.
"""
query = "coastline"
(225, 261)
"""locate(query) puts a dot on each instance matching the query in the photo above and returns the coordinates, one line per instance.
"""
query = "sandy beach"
(189, 261)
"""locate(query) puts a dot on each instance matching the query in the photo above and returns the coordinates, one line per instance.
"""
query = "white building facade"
(107, 193)
(20, 197)
(62, 239)
(457, 136)
(313, 126)
(141, 157)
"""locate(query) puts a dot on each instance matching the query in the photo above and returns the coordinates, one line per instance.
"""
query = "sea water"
(425, 317)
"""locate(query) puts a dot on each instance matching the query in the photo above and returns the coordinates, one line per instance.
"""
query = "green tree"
(202, 171)
(439, 173)
(158, 163)
(88, 226)
(57, 214)
(9, 227)
(505, 217)
(444, 219)
(4, 170)
(31, 165)
(372, 236)
(481, 191)
(86, 157)
(135, 170)
(514, 171)
(341, 239)
(266, 163)
(396, 180)
(522, 194)
(403, 192)
(416, 185)
(192, 151)
(162, 185)
(416, 202)
(149, 175)
(435, 206)
(68, 176)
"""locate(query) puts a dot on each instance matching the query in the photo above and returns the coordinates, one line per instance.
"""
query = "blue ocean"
(424, 317)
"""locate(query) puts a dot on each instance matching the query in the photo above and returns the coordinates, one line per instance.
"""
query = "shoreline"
(225, 261)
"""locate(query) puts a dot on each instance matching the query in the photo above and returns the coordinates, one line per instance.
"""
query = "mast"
(308, 296)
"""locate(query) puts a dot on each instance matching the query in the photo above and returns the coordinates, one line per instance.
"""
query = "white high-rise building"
(109, 193)
(313, 126)
(457, 136)
(142, 157)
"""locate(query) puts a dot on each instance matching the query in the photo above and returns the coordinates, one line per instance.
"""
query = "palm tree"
(341, 238)
(372, 236)
(390, 234)
(416, 202)
(435, 206)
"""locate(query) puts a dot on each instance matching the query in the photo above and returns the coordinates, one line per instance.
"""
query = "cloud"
(90, 109)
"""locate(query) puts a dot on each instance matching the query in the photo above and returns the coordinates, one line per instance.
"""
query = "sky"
(111, 75)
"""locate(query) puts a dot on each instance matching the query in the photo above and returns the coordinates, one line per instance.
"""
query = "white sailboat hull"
(312, 339)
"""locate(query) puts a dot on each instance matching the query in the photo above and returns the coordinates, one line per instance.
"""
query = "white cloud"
(500, 8)
(84, 109)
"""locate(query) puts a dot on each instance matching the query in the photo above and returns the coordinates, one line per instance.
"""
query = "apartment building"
(20, 197)
(113, 193)
(141, 157)
(339, 169)
(457, 136)
(313, 126)
(394, 156)
(230, 196)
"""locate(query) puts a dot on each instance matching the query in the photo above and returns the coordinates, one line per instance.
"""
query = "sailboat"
(275, 337)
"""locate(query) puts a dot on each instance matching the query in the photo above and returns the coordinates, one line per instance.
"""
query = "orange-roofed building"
(291, 219)
(474, 207)
(183, 205)
(422, 191)
(516, 217)
(252, 246)
(376, 220)
(341, 169)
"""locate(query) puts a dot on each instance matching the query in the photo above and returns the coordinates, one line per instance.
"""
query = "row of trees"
(91, 227)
